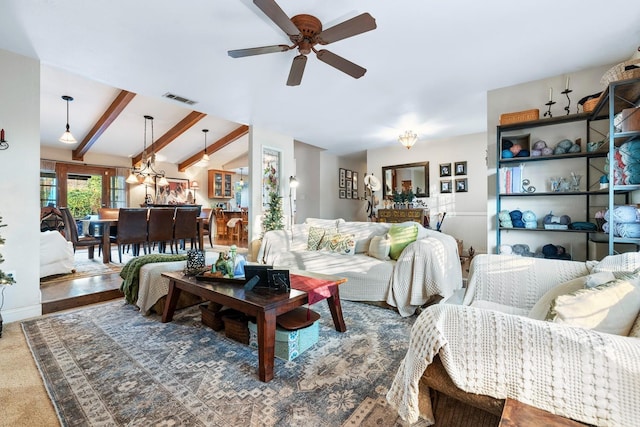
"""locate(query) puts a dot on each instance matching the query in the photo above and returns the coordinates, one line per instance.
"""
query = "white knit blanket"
(572, 372)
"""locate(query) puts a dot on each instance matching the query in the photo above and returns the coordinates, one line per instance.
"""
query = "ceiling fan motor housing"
(309, 27)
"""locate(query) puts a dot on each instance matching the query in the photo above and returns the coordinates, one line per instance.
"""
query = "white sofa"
(56, 254)
(428, 267)
(499, 351)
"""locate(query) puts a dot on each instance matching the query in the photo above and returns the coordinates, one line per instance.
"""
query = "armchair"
(482, 356)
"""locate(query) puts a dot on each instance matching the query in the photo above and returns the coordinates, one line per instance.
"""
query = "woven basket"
(590, 104)
(236, 327)
(519, 116)
(617, 72)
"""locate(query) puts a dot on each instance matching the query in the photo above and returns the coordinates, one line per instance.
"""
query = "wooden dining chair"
(185, 227)
(209, 225)
(160, 229)
(245, 224)
(221, 223)
(71, 234)
(132, 229)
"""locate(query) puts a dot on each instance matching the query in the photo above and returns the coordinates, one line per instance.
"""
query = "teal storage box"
(289, 344)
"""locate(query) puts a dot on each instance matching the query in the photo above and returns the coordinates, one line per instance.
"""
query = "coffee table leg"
(266, 344)
(171, 302)
(336, 311)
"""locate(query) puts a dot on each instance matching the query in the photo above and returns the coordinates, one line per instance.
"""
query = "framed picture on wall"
(176, 193)
(461, 185)
(354, 194)
(342, 193)
(342, 178)
(354, 178)
(460, 168)
(348, 174)
(445, 186)
(349, 185)
(445, 169)
(349, 194)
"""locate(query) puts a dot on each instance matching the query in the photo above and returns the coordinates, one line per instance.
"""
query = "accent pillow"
(380, 247)
(541, 308)
(315, 237)
(611, 308)
(401, 237)
(339, 243)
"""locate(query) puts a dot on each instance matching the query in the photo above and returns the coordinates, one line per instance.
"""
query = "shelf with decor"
(619, 105)
(536, 170)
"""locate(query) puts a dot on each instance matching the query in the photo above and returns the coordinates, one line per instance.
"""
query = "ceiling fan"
(305, 31)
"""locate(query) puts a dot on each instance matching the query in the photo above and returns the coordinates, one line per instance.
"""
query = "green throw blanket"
(131, 272)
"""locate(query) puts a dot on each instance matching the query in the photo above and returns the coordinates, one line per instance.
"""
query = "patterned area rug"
(109, 365)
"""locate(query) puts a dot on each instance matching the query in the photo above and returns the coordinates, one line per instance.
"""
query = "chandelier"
(408, 139)
(147, 172)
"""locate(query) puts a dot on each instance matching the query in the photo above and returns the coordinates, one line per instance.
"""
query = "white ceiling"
(429, 65)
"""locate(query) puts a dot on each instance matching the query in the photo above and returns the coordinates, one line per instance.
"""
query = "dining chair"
(72, 235)
(161, 228)
(185, 227)
(245, 224)
(132, 229)
(221, 223)
(209, 224)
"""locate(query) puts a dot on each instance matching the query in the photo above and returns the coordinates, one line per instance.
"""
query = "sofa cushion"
(380, 247)
(635, 329)
(611, 307)
(541, 308)
(315, 236)
(401, 236)
(339, 243)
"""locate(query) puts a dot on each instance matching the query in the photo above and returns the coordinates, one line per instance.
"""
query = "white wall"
(20, 184)
(466, 212)
(259, 139)
(307, 167)
(533, 95)
(332, 206)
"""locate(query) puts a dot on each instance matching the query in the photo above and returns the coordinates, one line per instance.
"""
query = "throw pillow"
(315, 237)
(611, 308)
(541, 308)
(339, 243)
(316, 234)
(380, 247)
(401, 237)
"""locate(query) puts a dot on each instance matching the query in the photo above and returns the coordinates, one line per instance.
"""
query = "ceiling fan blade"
(351, 27)
(239, 53)
(277, 15)
(341, 64)
(297, 68)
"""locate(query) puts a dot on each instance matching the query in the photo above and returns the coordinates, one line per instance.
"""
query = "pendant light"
(66, 137)
(241, 180)
(204, 161)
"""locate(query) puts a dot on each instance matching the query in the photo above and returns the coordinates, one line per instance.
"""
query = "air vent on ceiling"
(179, 98)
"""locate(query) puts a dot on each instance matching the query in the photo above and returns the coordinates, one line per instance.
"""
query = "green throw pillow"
(401, 236)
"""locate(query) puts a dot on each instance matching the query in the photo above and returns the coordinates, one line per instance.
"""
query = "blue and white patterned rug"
(109, 365)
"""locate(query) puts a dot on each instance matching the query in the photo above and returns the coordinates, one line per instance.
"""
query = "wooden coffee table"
(265, 307)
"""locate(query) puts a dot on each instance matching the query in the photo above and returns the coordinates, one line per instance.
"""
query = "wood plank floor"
(63, 295)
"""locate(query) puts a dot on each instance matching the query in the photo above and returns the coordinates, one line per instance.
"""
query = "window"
(48, 189)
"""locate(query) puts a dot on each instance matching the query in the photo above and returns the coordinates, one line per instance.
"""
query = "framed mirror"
(414, 176)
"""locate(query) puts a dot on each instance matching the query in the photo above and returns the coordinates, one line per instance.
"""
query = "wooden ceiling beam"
(191, 119)
(117, 106)
(218, 145)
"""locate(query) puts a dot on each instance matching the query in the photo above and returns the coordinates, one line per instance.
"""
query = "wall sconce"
(3, 142)
(408, 139)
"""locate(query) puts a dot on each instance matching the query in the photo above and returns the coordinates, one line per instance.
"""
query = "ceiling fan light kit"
(305, 31)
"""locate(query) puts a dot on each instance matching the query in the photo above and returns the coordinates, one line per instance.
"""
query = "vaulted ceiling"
(429, 66)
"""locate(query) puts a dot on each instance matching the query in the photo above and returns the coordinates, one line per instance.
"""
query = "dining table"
(104, 225)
